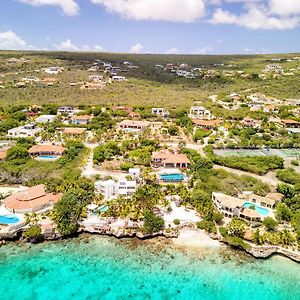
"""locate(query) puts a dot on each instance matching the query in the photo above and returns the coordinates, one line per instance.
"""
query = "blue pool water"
(105, 268)
(48, 157)
(171, 177)
(261, 210)
(9, 219)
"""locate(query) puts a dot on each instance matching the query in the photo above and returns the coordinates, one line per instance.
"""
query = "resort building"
(247, 205)
(81, 120)
(207, 124)
(29, 130)
(199, 112)
(42, 150)
(165, 159)
(46, 119)
(129, 125)
(126, 188)
(66, 109)
(31, 200)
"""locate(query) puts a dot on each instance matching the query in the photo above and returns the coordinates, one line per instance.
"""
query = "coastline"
(185, 238)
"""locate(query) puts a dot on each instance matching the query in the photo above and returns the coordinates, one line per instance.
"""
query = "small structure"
(42, 150)
(29, 130)
(135, 172)
(3, 153)
(165, 159)
(45, 119)
(31, 200)
(97, 78)
(199, 112)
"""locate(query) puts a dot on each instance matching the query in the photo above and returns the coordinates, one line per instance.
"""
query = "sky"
(152, 26)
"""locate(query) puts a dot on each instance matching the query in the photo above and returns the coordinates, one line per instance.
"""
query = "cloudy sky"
(152, 26)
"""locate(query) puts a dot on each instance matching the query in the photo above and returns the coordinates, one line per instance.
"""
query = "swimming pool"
(261, 210)
(9, 219)
(45, 157)
(176, 177)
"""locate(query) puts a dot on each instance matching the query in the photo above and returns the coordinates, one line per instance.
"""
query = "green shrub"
(33, 233)
(176, 221)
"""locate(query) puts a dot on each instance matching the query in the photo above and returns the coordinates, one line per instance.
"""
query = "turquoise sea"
(95, 267)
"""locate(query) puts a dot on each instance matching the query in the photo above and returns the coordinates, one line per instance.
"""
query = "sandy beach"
(195, 238)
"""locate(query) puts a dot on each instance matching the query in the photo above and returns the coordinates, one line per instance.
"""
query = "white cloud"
(69, 7)
(285, 7)
(173, 51)
(66, 46)
(156, 10)
(255, 18)
(204, 50)
(10, 41)
(69, 46)
(138, 48)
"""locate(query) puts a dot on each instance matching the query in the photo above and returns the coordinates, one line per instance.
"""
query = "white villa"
(160, 112)
(199, 112)
(96, 78)
(29, 130)
(119, 78)
(111, 189)
(66, 109)
(247, 205)
(45, 119)
(53, 70)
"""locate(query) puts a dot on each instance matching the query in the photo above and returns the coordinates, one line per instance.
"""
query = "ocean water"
(105, 268)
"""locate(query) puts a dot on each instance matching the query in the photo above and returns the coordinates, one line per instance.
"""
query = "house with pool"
(246, 205)
(166, 159)
(33, 199)
(46, 152)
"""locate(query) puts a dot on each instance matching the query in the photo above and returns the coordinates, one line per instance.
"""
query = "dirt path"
(269, 178)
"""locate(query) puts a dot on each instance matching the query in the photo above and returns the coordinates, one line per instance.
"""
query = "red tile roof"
(32, 199)
(37, 149)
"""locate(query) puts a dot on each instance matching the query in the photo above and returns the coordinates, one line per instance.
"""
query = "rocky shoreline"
(259, 252)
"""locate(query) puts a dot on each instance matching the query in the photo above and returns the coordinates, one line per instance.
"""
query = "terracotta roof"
(207, 122)
(32, 199)
(134, 123)
(228, 201)
(170, 158)
(251, 213)
(46, 148)
(84, 117)
(3, 154)
(290, 122)
(73, 130)
(275, 196)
